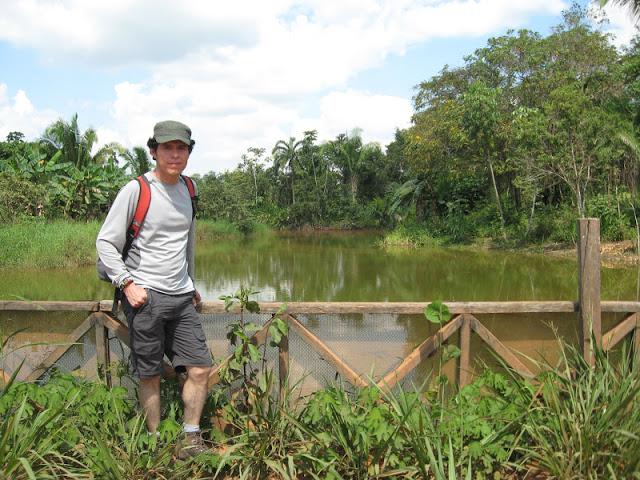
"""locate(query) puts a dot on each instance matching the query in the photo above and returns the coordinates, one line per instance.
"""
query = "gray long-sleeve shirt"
(162, 256)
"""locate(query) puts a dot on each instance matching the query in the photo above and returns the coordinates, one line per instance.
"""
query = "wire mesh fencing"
(370, 344)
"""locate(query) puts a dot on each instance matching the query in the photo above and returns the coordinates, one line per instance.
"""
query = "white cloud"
(377, 115)
(121, 31)
(623, 27)
(17, 113)
(350, 33)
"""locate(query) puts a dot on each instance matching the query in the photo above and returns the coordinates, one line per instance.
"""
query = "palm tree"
(408, 193)
(137, 160)
(285, 155)
(350, 155)
(75, 147)
(634, 5)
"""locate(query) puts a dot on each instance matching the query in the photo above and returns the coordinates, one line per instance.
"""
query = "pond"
(352, 267)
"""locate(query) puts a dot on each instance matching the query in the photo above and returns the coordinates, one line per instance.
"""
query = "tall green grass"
(585, 422)
(216, 230)
(572, 422)
(224, 229)
(410, 235)
(40, 244)
(63, 244)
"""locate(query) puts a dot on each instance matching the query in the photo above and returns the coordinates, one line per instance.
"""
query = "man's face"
(171, 158)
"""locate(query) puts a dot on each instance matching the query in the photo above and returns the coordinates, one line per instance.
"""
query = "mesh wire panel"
(33, 335)
(371, 344)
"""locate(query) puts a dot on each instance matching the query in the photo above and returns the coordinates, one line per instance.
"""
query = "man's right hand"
(136, 296)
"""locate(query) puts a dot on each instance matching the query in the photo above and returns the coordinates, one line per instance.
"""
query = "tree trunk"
(579, 200)
(533, 209)
(495, 191)
(255, 183)
(354, 188)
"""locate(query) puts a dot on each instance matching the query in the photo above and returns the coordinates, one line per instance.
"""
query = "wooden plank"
(409, 308)
(258, 338)
(497, 346)
(80, 330)
(464, 367)
(325, 352)
(38, 306)
(120, 329)
(589, 285)
(620, 307)
(103, 357)
(122, 332)
(283, 367)
(613, 336)
(414, 308)
(420, 353)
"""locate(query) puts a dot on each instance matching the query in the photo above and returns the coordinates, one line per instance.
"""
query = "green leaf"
(253, 307)
(254, 353)
(437, 312)
(449, 352)
(281, 325)
(276, 336)
(252, 327)
(234, 365)
(262, 383)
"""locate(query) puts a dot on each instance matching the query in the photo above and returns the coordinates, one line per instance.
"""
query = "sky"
(243, 74)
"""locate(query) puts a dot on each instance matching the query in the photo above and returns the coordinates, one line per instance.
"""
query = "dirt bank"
(613, 254)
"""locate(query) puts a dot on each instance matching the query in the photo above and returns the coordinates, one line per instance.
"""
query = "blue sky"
(243, 74)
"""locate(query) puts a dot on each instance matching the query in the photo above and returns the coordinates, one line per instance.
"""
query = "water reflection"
(346, 267)
(324, 267)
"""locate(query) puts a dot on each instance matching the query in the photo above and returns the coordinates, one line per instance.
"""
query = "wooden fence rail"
(589, 308)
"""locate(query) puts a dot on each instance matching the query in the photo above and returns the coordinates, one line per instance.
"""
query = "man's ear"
(152, 151)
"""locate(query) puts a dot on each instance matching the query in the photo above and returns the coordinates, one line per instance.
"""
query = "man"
(157, 280)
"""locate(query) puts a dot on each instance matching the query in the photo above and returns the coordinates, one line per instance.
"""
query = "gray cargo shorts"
(165, 324)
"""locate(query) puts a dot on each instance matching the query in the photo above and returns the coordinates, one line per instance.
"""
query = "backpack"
(144, 200)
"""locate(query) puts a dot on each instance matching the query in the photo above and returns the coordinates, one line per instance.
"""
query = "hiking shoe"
(190, 445)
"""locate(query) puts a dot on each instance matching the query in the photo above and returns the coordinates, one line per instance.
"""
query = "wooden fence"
(589, 309)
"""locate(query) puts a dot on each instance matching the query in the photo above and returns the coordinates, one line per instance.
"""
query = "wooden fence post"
(283, 366)
(636, 341)
(589, 285)
(103, 352)
(464, 364)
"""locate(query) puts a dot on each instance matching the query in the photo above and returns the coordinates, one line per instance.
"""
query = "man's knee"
(198, 374)
(150, 382)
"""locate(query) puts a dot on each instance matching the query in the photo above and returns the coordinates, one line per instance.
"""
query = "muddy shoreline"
(613, 254)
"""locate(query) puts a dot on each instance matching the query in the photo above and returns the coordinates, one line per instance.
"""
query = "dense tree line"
(528, 134)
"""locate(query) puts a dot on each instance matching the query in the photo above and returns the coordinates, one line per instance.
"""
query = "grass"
(216, 230)
(409, 236)
(224, 229)
(39, 244)
(585, 422)
(572, 422)
(64, 244)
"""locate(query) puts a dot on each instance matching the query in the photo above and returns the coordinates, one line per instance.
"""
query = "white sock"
(190, 428)
(157, 434)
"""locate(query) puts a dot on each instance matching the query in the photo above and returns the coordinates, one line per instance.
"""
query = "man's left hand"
(197, 299)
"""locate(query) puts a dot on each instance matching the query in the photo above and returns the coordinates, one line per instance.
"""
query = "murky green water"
(350, 267)
(347, 267)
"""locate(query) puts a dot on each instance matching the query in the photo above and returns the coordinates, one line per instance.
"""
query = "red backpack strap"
(144, 199)
(192, 193)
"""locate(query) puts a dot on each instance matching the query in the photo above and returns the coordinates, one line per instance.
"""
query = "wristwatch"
(125, 282)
